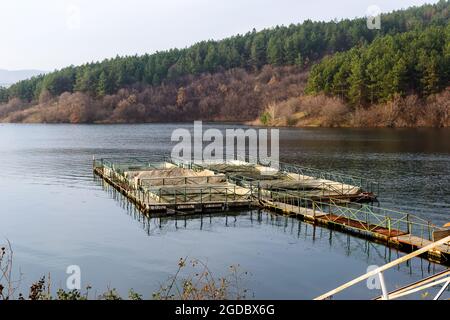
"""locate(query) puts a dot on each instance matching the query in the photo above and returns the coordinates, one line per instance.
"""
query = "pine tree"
(430, 75)
(340, 80)
(258, 51)
(396, 79)
(299, 61)
(211, 60)
(275, 52)
(290, 51)
(357, 83)
(102, 86)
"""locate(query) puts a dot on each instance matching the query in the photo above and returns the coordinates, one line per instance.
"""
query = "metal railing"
(328, 180)
(131, 163)
(200, 195)
(304, 173)
(368, 185)
(307, 190)
(173, 194)
(363, 216)
(378, 272)
(367, 217)
(163, 181)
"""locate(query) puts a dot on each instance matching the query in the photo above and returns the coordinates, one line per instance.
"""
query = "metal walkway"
(302, 192)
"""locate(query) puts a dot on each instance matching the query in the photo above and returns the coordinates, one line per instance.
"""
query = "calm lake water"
(56, 214)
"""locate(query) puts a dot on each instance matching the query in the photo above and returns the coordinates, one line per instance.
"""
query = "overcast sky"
(49, 34)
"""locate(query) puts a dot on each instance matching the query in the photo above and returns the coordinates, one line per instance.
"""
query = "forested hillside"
(242, 77)
(416, 62)
(233, 95)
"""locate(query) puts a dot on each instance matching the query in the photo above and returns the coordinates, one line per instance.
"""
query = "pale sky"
(51, 34)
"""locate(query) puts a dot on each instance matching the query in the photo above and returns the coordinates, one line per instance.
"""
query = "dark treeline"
(298, 45)
(415, 62)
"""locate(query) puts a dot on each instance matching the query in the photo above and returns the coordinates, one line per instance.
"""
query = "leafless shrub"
(411, 111)
(8, 286)
(45, 97)
(359, 118)
(312, 105)
(223, 96)
(335, 114)
(437, 110)
(200, 284)
(129, 110)
(13, 105)
(304, 110)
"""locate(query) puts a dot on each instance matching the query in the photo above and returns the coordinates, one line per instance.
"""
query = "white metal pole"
(442, 290)
(383, 286)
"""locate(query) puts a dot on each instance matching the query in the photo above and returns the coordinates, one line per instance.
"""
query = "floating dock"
(163, 186)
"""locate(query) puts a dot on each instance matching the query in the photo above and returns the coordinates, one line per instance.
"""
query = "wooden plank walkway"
(291, 209)
(392, 237)
(362, 225)
(327, 218)
(417, 243)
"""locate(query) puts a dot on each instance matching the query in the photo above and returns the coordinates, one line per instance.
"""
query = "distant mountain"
(8, 77)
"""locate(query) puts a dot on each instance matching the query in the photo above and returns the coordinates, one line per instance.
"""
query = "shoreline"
(239, 123)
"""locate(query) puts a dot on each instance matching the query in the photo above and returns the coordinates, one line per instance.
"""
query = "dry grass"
(300, 111)
(323, 111)
(201, 284)
(407, 112)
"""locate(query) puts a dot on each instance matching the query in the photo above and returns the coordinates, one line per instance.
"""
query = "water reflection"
(329, 240)
(56, 215)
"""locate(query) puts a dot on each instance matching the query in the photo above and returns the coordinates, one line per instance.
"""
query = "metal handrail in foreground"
(379, 272)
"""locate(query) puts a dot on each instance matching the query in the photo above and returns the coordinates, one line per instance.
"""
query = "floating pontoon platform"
(163, 186)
